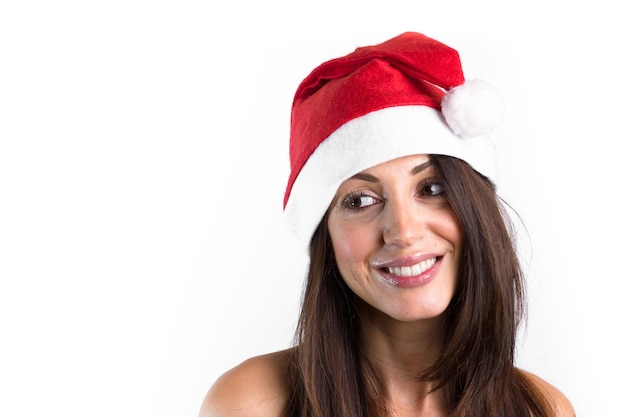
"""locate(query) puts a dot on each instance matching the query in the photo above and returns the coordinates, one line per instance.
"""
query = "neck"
(399, 353)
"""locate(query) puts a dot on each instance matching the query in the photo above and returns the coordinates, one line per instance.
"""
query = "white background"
(143, 158)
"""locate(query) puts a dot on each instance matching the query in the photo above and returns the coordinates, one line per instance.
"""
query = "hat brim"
(369, 140)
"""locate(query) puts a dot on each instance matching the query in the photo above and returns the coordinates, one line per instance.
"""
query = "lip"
(382, 271)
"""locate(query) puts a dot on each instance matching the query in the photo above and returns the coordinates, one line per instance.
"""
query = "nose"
(402, 223)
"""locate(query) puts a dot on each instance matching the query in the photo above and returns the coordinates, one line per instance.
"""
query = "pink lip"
(411, 281)
(408, 260)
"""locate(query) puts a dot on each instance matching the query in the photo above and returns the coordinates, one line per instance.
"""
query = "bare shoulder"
(255, 388)
(561, 403)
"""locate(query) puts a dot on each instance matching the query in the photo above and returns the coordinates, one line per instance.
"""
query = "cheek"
(350, 243)
(448, 226)
(456, 234)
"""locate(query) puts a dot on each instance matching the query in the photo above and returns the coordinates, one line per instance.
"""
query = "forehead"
(409, 163)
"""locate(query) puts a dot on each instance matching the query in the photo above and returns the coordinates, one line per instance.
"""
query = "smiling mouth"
(413, 270)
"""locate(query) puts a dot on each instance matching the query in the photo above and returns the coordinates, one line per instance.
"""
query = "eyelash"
(348, 201)
(428, 182)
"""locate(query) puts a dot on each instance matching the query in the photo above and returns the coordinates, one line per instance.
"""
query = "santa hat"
(405, 96)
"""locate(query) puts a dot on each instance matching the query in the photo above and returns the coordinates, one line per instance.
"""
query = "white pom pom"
(472, 108)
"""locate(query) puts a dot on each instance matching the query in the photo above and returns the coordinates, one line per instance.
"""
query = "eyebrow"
(421, 167)
(370, 178)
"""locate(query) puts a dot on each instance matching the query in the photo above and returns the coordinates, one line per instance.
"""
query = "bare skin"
(255, 388)
(258, 388)
(397, 245)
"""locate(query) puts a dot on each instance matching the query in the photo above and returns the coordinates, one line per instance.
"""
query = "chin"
(417, 313)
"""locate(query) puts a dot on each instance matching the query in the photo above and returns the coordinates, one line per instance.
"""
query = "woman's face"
(396, 239)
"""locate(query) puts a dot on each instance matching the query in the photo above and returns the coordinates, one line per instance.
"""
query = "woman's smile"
(410, 275)
(396, 239)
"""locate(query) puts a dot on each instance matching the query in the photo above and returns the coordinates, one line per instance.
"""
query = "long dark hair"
(331, 377)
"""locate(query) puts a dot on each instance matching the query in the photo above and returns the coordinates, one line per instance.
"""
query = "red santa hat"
(405, 96)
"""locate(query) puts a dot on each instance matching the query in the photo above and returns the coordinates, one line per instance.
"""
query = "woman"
(414, 290)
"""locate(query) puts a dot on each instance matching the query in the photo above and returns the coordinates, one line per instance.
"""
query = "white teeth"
(411, 271)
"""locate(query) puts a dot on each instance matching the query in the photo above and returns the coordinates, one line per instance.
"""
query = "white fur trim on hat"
(370, 140)
(472, 108)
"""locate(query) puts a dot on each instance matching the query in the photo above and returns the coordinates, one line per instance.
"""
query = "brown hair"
(331, 377)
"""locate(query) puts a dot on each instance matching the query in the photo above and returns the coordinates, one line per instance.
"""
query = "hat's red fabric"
(410, 69)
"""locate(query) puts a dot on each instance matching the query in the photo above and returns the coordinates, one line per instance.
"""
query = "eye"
(432, 188)
(359, 200)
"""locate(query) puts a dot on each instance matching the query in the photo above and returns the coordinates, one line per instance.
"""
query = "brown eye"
(432, 189)
(359, 201)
